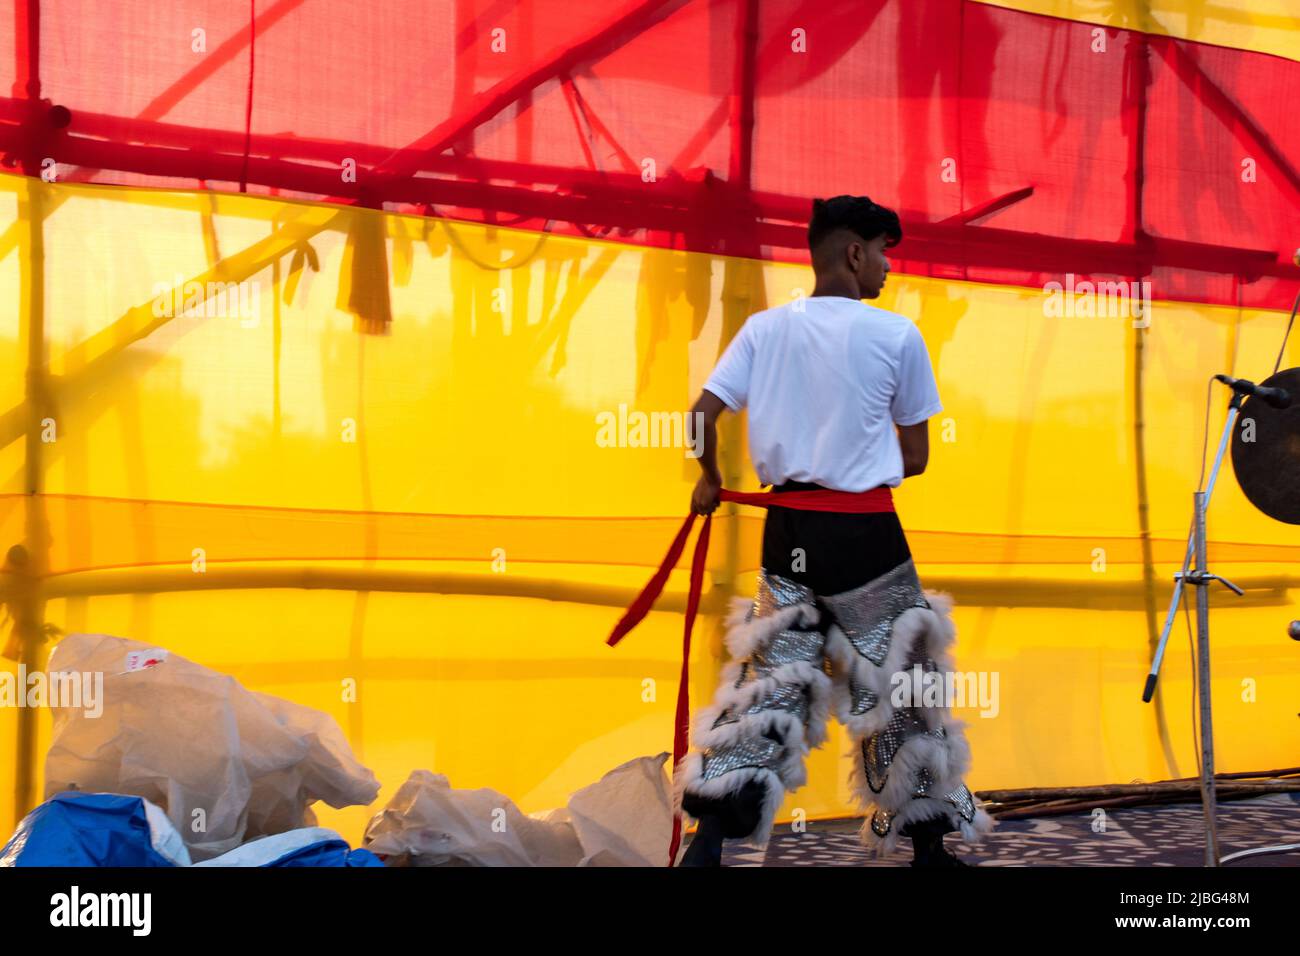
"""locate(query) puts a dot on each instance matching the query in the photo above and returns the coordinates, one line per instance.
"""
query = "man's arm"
(914, 440)
(703, 424)
(915, 402)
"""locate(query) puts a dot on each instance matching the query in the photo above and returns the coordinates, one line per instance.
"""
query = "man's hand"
(704, 437)
(704, 500)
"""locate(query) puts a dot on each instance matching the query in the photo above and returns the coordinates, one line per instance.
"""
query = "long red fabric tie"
(871, 501)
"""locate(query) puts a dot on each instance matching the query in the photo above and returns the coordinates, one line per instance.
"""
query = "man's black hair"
(856, 213)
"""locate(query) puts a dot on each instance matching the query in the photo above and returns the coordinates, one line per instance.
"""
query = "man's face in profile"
(869, 265)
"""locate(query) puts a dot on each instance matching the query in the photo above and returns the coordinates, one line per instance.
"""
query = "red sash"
(871, 501)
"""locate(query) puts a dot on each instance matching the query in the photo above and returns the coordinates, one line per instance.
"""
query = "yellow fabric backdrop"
(284, 438)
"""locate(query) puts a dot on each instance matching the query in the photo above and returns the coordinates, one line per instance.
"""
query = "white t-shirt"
(824, 387)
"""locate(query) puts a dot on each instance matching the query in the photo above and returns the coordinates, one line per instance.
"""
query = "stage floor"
(1147, 836)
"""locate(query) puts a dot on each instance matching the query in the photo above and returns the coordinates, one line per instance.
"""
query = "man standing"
(840, 618)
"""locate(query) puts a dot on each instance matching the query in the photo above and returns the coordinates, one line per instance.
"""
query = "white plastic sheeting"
(227, 764)
(624, 819)
(266, 850)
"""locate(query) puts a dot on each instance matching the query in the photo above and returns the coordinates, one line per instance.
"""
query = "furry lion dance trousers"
(840, 622)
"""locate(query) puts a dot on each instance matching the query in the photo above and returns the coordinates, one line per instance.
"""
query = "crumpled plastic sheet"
(190, 739)
(624, 819)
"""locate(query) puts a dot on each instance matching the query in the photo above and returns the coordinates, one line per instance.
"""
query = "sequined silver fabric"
(920, 656)
(788, 647)
(879, 749)
(743, 675)
(758, 752)
(861, 699)
(924, 783)
(881, 821)
(963, 801)
(776, 593)
(867, 613)
(792, 699)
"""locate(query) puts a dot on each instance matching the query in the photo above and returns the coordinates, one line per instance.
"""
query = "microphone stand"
(1200, 577)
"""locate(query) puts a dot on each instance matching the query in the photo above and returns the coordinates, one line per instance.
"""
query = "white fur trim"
(947, 759)
(932, 627)
(739, 699)
(744, 636)
(926, 808)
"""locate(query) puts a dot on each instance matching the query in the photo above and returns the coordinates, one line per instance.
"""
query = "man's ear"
(854, 254)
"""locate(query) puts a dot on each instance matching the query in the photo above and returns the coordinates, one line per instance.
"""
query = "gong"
(1266, 451)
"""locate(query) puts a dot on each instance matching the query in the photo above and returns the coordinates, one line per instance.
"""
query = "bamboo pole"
(1185, 795)
(975, 592)
(140, 322)
(218, 578)
(1101, 791)
(32, 556)
(29, 602)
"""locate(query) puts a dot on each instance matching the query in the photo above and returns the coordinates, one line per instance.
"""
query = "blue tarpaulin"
(107, 829)
(86, 829)
(309, 846)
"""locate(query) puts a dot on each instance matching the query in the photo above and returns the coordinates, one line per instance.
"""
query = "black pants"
(828, 552)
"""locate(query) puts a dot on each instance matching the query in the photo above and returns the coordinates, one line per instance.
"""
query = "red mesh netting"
(1017, 147)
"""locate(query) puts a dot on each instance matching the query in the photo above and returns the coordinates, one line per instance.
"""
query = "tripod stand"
(1200, 577)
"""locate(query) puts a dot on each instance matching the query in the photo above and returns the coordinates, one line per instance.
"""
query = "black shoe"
(927, 843)
(941, 858)
(706, 845)
(731, 817)
(737, 814)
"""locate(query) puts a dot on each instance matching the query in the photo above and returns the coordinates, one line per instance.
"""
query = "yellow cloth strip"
(1265, 26)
